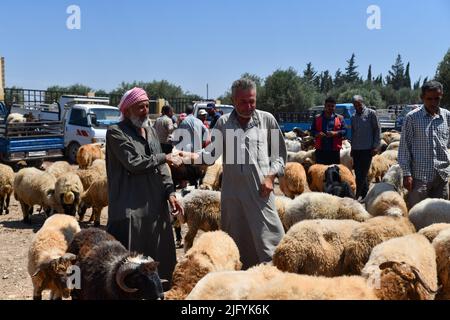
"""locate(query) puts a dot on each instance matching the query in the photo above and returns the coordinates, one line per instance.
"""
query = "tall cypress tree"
(351, 75)
(407, 78)
(369, 74)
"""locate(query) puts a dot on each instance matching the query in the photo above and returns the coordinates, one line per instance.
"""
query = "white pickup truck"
(85, 119)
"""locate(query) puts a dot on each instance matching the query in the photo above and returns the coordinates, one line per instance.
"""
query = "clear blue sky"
(194, 42)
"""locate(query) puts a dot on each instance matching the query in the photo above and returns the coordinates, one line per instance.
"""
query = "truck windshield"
(106, 117)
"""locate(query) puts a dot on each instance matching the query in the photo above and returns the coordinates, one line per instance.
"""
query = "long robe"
(139, 185)
(251, 220)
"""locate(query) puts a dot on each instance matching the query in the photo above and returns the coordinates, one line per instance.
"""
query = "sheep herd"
(335, 247)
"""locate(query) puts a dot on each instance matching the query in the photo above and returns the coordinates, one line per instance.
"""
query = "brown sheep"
(201, 212)
(433, 230)
(47, 258)
(211, 252)
(442, 246)
(6, 187)
(88, 153)
(96, 196)
(294, 181)
(378, 168)
(68, 191)
(316, 175)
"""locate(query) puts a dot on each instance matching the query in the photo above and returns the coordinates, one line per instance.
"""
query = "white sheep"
(293, 145)
(441, 245)
(201, 212)
(212, 178)
(314, 247)
(433, 230)
(281, 203)
(302, 157)
(211, 252)
(430, 211)
(48, 262)
(318, 205)
(68, 191)
(390, 155)
(294, 181)
(6, 187)
(393, 145)
(59, 168)
(267, 282)
(369, 234)
(346, 158)
(15, 118)
(34, 187)
(403, 268)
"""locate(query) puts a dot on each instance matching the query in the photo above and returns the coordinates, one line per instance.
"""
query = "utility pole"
(207, 92)
(2, 78)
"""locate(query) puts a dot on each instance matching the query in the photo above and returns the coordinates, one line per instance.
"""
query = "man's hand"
(267, 186)
(174, 160)
(321, 135)
(188, 157)
(408, 183)
(175, 206)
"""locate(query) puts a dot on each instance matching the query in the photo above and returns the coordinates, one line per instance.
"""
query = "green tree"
(396, 74)
(369, 74)
(407, 78)
(326, 82)
(338, 78)
(443, 76)
(77, 88)
(309, 74)
(285, 91)
(351, 75)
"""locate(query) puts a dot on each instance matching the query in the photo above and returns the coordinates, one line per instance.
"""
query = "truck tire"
(71, 152)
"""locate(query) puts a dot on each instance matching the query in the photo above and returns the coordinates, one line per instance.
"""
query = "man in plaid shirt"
(423, 151)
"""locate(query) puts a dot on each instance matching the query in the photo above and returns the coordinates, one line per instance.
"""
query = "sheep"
(334, 185)
(48, 262)
(390, 155)
(403, 268)
(346, 145)
(211, 252)
(316, 205)
(281, 203)
(59, 168)
(96, 196)
(6, 187)
(393, 146)
(87, 154)
(314, 247)
(433, 230)
(201, 211)
(294, 181)
(291, 135)
(33, 186)
(267, 282)
(388, 203)
(302, 157)
(369, 234)
(346, 159)
(100, 165)
(191, 173)
(390, 136)
(378, 168)
(430, 211)
(68, 191)
(383, 145)
(316, 175)
(293, 145)
(212, 178)
(88, 176)
(441, 245)
(15, 118)
(109, 272)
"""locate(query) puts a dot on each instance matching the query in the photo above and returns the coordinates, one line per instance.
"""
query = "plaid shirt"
(423, 150)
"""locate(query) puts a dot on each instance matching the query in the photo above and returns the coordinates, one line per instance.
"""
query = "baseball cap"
(202, 112)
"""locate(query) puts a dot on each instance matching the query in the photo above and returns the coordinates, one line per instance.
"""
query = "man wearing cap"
(213, 114)
(202, 115)
(140, 185)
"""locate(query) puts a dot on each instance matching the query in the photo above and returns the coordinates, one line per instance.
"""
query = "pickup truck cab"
(86, 121)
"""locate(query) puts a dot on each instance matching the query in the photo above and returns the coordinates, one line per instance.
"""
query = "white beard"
(138, 123)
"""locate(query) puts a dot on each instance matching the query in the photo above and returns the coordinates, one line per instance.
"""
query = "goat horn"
(121, 274)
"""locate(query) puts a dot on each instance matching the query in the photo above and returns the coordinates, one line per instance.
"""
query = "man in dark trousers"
(365, 143)
(328, 129)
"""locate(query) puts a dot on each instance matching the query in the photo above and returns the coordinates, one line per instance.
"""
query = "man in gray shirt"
(164, 127)
(365, 142)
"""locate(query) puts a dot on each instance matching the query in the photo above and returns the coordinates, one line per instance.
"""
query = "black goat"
(110, 272)
(334, 185)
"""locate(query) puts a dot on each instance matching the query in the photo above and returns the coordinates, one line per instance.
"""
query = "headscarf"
(131, 97)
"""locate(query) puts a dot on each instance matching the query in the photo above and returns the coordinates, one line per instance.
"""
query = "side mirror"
(93, 119)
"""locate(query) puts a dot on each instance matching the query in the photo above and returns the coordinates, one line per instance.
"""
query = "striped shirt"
(365, 130)
(423, 150)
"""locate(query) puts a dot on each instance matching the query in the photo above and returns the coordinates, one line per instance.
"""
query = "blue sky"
(192, 43)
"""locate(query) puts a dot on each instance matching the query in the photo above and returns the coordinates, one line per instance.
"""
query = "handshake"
(177, 158)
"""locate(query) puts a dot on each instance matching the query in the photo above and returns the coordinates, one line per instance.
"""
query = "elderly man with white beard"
(140, 185)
